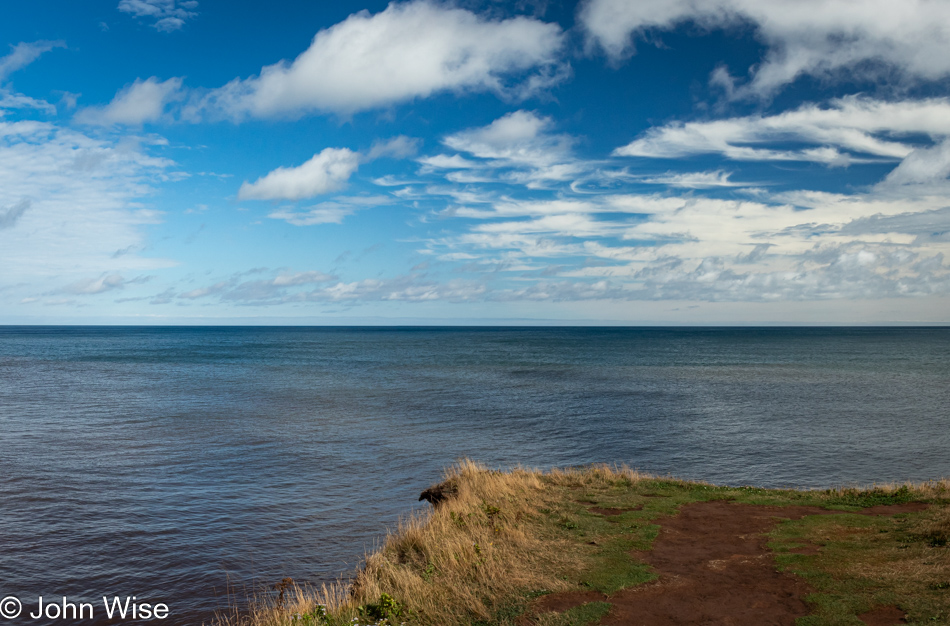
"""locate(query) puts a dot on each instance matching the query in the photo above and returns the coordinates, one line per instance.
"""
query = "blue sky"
(607, 161)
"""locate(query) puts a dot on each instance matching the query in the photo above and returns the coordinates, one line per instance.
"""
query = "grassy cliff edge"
(497, 544)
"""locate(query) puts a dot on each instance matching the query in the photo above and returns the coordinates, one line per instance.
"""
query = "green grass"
(865, 562)
(589, 613)
(506, 538)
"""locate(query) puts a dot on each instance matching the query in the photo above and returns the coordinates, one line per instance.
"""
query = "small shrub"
(870, 497)
(386, 610)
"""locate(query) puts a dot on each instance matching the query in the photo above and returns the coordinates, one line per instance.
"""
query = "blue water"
(178, 464)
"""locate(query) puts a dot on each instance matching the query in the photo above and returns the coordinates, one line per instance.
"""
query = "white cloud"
(400, 147)
(521, 142)
(924, 226)
(169, 15)
(814, 37)
(793, 246)
(69, 202)
(518, 137)
(316, 286)
(408, 288)
(445, 161)
(280, 288)
(923, 165)
(331, 212)
(10, 100)
(202, 292)
(694, 180)
(9, 216)
(300, 278)
(273, 289)
(68, 99)
(142, 101)
(325, 172)
(22, 54)
(851, 130)
(324, 213)
(91, 286)
(410, 50)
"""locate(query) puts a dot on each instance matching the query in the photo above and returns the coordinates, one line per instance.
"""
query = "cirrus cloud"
(69, 208)
(169, 15)
(838, 134)
(22, 54)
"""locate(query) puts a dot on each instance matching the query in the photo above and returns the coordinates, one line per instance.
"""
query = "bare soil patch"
(883, 616)
(894, 509)
(715, 567)
(566, 600)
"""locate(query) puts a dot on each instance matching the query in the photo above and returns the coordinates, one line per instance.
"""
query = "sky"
(475, 162)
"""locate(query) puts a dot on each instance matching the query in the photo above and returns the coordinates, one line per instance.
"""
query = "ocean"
(195, 466)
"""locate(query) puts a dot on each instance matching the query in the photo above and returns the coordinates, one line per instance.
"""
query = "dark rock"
(437, 494)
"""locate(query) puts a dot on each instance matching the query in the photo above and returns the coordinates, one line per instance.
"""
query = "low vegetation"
(866, 561)
(499, 540)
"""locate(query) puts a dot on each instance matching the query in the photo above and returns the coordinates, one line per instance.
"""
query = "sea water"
(192, 467)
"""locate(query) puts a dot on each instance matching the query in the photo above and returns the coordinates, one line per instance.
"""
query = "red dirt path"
(715, 568)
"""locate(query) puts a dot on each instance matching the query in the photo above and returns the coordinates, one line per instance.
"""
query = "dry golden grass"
(455, 562)
(461, 561)
(934, 528)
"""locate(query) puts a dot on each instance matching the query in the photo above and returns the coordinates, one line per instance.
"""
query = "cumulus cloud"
(806, 37)
(520, 141)
(168, 15)
(142, 101)
(518, 137)
(850, 130)
(325, 172)
(22, 54)
(410, 50)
